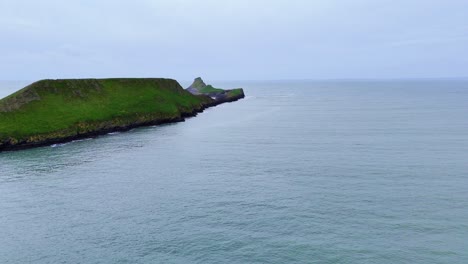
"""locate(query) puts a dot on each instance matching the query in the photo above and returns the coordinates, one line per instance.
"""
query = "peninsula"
(56, 111)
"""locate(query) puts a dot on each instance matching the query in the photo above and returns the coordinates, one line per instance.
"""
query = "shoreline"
(101, 132)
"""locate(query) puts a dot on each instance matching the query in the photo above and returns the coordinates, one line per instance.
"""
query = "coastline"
(7, 146)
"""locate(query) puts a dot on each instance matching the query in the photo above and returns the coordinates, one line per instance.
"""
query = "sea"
(324, 171)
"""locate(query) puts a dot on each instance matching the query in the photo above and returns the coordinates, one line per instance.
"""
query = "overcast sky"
(233, 40)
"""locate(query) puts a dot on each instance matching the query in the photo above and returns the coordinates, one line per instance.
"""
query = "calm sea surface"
(298, 172)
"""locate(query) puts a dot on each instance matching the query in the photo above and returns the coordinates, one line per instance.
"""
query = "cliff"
(54, 111)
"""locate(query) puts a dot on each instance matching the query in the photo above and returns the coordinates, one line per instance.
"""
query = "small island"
(57, 111)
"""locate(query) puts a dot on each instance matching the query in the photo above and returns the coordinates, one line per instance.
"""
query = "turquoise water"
(298, 172)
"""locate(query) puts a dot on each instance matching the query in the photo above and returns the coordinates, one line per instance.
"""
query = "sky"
(233, 40)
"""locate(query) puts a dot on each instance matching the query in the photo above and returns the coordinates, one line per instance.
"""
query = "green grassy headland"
(50, 110)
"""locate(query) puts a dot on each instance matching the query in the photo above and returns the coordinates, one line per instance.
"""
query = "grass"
(209, 89)
(235, 92)
(69, 107)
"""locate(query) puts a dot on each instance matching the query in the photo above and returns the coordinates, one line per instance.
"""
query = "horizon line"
(263, 80)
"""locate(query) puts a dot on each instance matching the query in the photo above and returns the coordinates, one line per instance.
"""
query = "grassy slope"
(235, 92)
(209, 89)
(230, 93)
(70, 107)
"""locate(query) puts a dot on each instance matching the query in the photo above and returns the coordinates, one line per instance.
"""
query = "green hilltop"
(50, 111)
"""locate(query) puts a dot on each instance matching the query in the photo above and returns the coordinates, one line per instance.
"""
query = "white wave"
(59, 145)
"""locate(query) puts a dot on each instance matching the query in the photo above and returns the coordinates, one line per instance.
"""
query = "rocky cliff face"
(198, 83)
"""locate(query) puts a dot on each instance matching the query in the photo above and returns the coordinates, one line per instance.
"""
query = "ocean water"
(297, 172)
